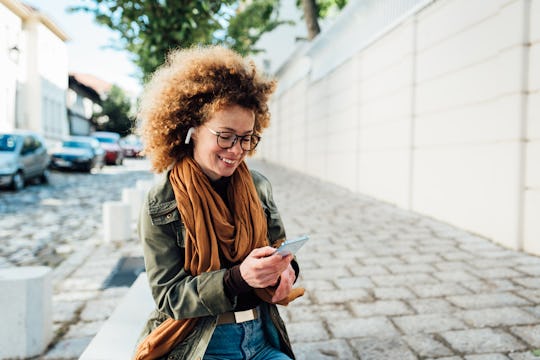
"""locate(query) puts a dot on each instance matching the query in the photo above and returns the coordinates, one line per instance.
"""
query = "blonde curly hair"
(187, 89)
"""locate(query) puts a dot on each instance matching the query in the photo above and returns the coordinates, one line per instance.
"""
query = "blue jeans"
(241, 342)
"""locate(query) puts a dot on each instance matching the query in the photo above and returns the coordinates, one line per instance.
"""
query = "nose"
(236, 148)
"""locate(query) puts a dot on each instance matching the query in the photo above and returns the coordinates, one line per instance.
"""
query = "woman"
(207, 227)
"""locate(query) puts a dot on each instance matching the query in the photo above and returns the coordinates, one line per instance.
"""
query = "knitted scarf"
(211, 227)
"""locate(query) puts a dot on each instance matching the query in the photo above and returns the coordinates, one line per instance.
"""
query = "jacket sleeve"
(276, 229)
(177, 293)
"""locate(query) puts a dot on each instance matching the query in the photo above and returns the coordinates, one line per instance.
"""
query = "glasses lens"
(226, 140)
(253, 141)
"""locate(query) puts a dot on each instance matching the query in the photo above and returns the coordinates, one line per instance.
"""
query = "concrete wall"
(439, 114)
(10, 33)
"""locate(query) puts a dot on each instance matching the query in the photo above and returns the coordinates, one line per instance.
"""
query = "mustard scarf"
(211, 227)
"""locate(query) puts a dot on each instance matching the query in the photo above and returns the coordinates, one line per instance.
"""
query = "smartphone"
(291, 246)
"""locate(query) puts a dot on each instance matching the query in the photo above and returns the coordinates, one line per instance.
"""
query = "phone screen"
(292, 246)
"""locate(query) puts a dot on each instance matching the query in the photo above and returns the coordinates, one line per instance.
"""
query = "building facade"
(34, 71)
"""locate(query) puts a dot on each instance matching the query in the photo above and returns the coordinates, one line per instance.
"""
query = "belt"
(236, 317)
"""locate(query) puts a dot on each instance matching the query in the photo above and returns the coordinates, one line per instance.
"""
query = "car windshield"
(8, 142)
(76, 144)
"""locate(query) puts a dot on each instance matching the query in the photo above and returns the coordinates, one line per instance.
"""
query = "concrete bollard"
(116, 221)
(26, 311)
(135, 199)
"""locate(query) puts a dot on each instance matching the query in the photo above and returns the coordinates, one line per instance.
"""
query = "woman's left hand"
(286, 282)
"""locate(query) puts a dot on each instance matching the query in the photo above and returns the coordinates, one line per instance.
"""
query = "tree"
(250, 22)
(115, 114)
(150, 29)
(317, 9)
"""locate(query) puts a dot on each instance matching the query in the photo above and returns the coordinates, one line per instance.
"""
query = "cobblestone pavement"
(381, 282)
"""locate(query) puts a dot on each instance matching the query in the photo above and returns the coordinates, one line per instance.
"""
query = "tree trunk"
(310, 14)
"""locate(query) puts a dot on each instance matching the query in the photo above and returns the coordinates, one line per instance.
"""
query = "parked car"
(23, 156)
(114, 155)
(78, 153)
(132, 146)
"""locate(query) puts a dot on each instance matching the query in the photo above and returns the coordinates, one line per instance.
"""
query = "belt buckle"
(243, 316)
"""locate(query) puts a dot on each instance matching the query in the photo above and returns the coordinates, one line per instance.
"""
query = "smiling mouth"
(227, 161)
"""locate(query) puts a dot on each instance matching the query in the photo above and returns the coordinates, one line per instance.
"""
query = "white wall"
(531, 224)
(47, 81)
(439, 113)
(10, 33)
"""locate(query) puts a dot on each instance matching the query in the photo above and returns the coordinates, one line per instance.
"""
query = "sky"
(89, 45)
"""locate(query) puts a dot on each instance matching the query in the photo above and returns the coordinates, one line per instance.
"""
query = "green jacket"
(178, 294)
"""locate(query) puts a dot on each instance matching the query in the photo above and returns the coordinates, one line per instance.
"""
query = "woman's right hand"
(263, 267)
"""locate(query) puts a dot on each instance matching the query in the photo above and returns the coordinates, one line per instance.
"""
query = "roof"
(27, 12)
(100, 86)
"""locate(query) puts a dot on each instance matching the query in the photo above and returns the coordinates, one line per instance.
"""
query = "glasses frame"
(235, 140)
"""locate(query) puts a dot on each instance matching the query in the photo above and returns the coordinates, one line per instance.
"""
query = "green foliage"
(115, 114)
(325, 7)
(248, 25)
(150, 29)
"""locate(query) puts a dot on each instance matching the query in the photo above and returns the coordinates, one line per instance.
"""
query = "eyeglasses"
(227, 139)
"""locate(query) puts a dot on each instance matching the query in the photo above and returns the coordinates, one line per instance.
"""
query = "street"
(44, 224)
(381, 282)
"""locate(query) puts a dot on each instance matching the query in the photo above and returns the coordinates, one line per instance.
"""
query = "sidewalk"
(381, 283)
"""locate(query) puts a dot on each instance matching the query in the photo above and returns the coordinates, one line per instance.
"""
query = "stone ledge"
(119, 334)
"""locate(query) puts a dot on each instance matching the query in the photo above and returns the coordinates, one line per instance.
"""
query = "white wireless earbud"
(188, 135)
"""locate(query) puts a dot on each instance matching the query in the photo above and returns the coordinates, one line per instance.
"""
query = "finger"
(263, 252)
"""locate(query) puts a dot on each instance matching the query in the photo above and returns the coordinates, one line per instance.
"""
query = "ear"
(188, 135)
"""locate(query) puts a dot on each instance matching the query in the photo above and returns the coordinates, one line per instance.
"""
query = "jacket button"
(169, 216)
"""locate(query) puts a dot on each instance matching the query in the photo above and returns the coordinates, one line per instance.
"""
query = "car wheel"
(45, 176)
(17, 183)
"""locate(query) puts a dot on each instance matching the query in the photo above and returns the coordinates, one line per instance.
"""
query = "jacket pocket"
(172, 219)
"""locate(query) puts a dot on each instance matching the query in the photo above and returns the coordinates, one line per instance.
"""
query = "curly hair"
(187, 89)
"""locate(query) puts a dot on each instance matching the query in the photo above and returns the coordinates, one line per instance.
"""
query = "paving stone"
(68, 349)
(533, 270)
(524, 356)
(491, 286)
(307, 331)
(428, 323)
(382, 349)
(323, 350)
(64, 311)
(403, 279)
(431, 306)
(427, 346)
(505, 316)
(382, 260)
(479, 301)
(478, 341)
(497, 273)
(438, 290)
(362, 327)
(454, 276)
(531, 334)
(315, 312)
(421, 258)
(353, 282)
(324, 274)
(84, 329)
(98, 309)
(529, 282)
(361, 270)
(341, 296)
(532, 295)
(392, 293)
(382, 307)
(486, 357)
(410, 268)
